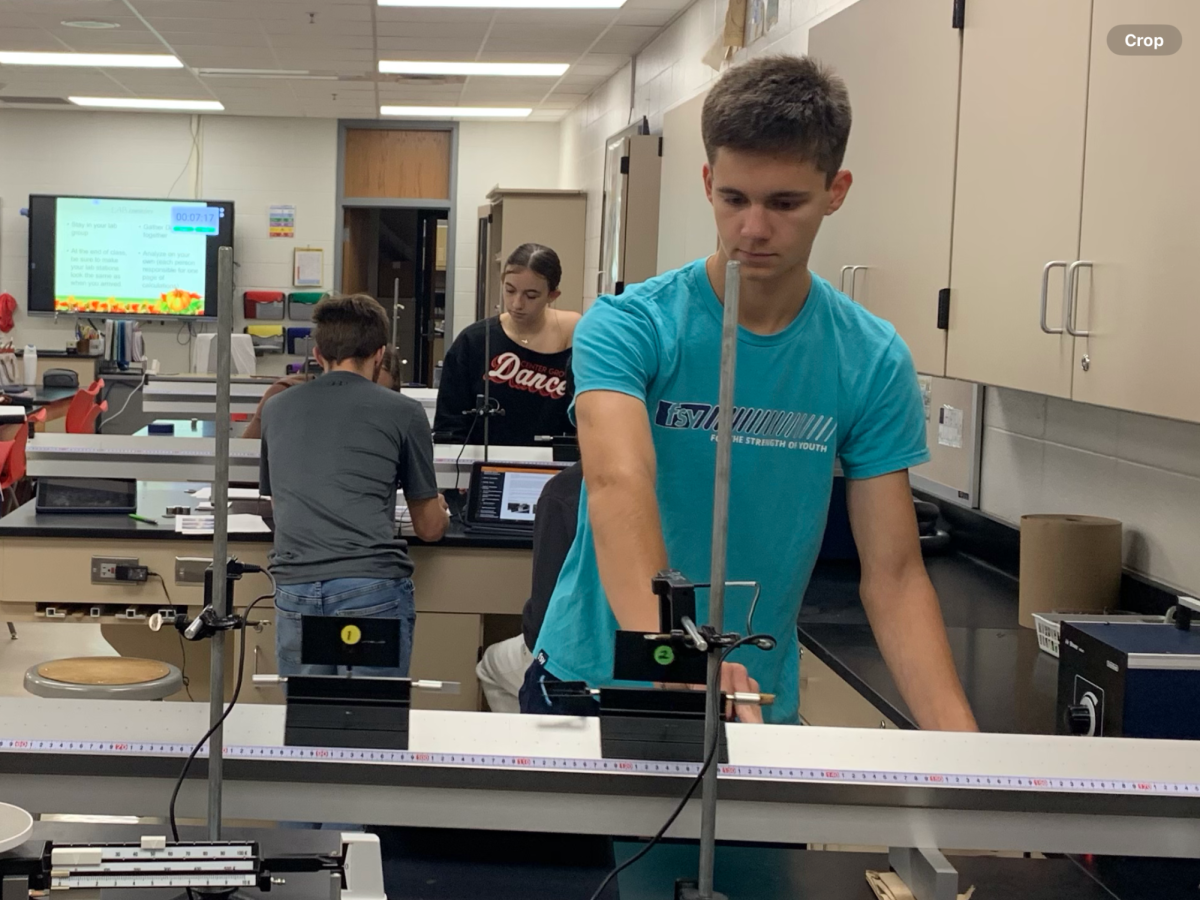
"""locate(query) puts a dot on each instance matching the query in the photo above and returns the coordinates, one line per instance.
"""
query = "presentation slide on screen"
(132, 257)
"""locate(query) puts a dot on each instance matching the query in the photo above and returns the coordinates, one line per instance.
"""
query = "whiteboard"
(686, 230)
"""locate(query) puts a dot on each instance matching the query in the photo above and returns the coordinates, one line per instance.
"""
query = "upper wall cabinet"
(1020, 174)
(1138, 291)
(900, 61)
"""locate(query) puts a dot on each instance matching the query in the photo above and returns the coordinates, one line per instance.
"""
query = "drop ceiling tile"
(467, 32)
(612, 60)
(324, 42)
(548, 38)
(429, 48)
(390, 19)
(496, 53)
(592, 20)
(655, 17)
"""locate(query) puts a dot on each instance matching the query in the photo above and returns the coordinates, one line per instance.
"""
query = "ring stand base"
(688, 890)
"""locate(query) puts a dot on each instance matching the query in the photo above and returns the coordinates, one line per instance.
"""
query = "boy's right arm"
(619, 466)
(618, 462)
(418, 479)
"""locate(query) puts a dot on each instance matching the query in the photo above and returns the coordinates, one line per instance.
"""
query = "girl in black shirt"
(529, 361)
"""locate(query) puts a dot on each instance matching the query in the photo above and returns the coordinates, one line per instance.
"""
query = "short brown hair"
(352, 327)
(780, 105)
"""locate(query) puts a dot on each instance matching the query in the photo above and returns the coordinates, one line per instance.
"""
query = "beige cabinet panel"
(686, 228)
(446, 648)
(896, 220)
(828, 699)
(514, 217)
(1020, 171)
(1141, 225)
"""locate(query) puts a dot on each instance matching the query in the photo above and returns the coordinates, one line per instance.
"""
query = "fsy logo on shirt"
(752, 425)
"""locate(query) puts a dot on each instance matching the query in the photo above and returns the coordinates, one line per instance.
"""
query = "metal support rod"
(487, 384)
(396, 318)
(220, 499)
(716, 593)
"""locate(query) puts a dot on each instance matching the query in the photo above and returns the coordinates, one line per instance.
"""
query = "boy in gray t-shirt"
(334, 452)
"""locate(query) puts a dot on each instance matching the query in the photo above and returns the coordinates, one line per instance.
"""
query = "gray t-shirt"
(334, 452)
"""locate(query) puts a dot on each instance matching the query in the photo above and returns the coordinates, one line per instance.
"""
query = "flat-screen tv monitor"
(126, 257)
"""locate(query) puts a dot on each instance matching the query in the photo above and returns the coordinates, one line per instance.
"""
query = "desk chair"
(82, 413)
(13, 471)
(103, 678)
(5, 451)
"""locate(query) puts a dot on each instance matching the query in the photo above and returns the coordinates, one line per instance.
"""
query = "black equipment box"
(348, 710)
(1128, 680)
(640, 723)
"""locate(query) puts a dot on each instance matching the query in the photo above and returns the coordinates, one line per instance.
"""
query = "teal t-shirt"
(837, 382)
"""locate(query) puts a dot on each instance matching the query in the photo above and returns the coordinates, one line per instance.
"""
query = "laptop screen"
(507, 493)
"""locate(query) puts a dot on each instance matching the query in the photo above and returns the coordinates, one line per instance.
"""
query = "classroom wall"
(1039, 454)
(1042, 454)
(667, 72)
(508, 154)
(255, 162)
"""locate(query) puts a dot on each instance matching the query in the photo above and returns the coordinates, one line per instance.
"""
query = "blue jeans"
(371, 598)
(535, 698)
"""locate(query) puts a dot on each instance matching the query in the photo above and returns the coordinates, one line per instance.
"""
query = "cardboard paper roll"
(1069, 564)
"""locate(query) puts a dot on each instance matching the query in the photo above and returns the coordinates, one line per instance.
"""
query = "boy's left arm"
(901, 603)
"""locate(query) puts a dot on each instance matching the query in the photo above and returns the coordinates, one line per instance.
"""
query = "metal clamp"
(1045, 289)
(1069, 297)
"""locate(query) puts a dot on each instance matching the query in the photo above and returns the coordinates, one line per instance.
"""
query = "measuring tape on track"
(618, 767)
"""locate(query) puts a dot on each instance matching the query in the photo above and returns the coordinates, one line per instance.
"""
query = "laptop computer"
(502, 497)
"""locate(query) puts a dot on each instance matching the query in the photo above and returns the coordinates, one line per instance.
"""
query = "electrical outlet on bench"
(104, 569)
(191, 569)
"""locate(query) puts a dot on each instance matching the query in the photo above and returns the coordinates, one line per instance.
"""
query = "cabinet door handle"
(1045, 289)
(854, 277)
(1069, 297)
(842, 280)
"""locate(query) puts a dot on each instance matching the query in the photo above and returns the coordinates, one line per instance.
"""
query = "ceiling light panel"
(418, 67)
(148, 104)
(455, 112)
(92, 60)
(507, 4)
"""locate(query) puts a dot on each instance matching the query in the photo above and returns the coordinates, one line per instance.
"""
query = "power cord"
(187, 682)
(709, 756)
(457, 468)
(237, 690)
(141, 384)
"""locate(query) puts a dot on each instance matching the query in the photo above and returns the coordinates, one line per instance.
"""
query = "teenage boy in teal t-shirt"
(818, 378)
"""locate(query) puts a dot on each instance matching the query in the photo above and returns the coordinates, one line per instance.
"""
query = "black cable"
(470, 431)
(708, 760)
(753, 606)
(237, 690)
(187, 682)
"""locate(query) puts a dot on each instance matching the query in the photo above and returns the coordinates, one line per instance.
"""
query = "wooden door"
(900, 60)
(1141, 220)
(358, 237)
(1020, 174)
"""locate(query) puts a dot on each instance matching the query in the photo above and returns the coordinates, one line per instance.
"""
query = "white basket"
(1048, 625)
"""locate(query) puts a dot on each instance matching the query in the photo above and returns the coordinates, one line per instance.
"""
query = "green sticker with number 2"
(664, 655)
